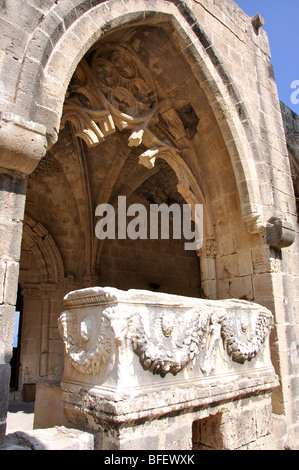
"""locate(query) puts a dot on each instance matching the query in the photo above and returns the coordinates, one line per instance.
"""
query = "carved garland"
(241, 350)
(90, 340)
(86, 352)
(161, 359)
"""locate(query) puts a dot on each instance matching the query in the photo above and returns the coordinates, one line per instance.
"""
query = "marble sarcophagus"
(134, 358)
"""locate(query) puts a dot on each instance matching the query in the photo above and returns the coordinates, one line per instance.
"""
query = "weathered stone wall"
(12, 198)
(239, 158)
(290, 272)
(291, 126)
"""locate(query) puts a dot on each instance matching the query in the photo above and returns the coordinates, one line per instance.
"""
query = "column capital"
(22, 144)
(39, 291)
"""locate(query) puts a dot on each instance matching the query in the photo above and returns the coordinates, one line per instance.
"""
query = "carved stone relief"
(173, 345)
(113, 89)
(244, 334)
(86, 352)
(166, 339)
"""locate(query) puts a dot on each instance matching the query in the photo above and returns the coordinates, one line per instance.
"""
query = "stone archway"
(178, 128)
(61, 61)
(38, 240)
(114, 90)
(41, 280)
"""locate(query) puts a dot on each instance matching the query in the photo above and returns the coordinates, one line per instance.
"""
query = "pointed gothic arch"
(72, 44)
(49, 263)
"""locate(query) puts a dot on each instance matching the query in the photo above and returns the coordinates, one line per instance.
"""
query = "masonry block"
(4, 390)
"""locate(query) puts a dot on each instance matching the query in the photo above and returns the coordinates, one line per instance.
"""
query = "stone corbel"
(22, 144)
(280, 234)
(257, 21)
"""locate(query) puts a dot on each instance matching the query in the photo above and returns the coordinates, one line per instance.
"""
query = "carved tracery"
(112, 89)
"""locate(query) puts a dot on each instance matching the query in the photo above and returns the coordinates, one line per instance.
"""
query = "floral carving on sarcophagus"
(173, 348)
(91, 340)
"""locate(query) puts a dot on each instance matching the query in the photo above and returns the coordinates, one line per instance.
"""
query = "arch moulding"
(37, 239)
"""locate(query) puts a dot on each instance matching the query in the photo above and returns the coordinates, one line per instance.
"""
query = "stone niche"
(154, 371)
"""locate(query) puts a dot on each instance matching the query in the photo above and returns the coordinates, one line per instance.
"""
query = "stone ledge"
(161, 402)
(57, 438)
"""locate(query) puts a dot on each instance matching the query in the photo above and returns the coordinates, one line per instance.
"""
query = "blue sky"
(282, 26)
(16, 329)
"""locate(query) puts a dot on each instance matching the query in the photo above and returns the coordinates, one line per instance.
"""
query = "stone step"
(57, 438)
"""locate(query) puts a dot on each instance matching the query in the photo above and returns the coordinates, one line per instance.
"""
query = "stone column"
(208, 268)
(22, 145)
(12, 201)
